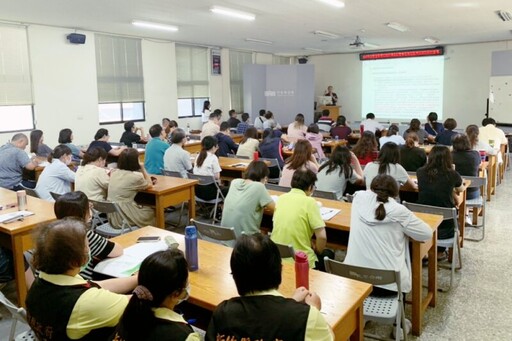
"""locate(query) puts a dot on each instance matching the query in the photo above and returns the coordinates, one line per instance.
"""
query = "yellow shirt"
(170, 315)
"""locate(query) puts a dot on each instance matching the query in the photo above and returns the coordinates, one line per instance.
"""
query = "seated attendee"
(392, 136)
(412, 157)
(379, 233)
(232, 120)
(56, 177)
(366, 148)
(92, 177)
(261, 312)
(493, 136)
(342, 167)
(13, 160)
(75, 204)
(271, 147)
(101, 140)
(177, 159)
(341, 130)
(211, 128)
(432, 127)
(246, 199)
(437, 181)
(244, 125)
(315, 138)
(297, 129)
(36, 144)
(467, 162)
(162, 284)
(170, 126)
(207, 163)
(297, 218)
(388, 163)
(301, 159)
(370, 124)
(325, 121)
(415, 127)
(130, 135)
(66, 137)
(473, 133)
(270, 121)
(155, 150)
(249, 143)
(445, 138)
(125, 183)
(226, 143)
(60, 300)
(258, 121)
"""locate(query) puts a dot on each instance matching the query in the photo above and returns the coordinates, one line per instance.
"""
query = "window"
(237, 59)
(15, 80)
(192, 74)
(120, 79)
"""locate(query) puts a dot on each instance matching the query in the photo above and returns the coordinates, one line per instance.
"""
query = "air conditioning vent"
(504, 15)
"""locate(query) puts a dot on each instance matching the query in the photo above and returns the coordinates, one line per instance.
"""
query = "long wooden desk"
(194, 146)
(17, 236)
(169, 191)
(492, 170)
(341, 221)
(342, 299)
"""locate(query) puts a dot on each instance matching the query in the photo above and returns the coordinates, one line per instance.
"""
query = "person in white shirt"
(392, 136)
(177, 159)
(207, 163)
(258, 121)
(370, 124)
(271, 122)
(212, 127)
(492, 135)
(56, 177)
(205, 116)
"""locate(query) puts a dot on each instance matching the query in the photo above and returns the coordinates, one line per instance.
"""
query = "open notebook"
(13, 216)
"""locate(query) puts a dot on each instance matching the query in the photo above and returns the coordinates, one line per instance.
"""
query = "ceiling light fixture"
(155, 26)
(335, 3)
(259, 41)
(326, 34)
(233, 13)
(431, 40)
(313, 49)
(397, 26)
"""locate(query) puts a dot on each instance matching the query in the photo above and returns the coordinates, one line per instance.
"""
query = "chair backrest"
(278, 188)
(32, 192)
(18, 314)
(367, 275)
(219, 233)
(325, 195)
(204, 180)
(171, 173)
(55, 196)
(273, 162)
(139, 145)
(476, 182)
(447, 212)
(286, 251)
(349, 197)
(105, 206)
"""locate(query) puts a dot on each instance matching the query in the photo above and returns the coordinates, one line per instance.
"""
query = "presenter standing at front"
(330, 92)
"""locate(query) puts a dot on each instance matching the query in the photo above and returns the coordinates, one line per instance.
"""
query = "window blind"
(192, 71)
(237, 59)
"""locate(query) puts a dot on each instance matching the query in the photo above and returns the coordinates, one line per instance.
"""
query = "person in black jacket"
(225, 142)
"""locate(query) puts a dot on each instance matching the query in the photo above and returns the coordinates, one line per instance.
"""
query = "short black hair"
(224, 126)
(488, 120)
(100, 133)
(255, 264)
(65, 135)
(178, 135)
(129, 160)
(313, 128)
(128, 125)
(370, 116)
(72, 204)
(262, 112)
(231, 112)
(245, 117)
(155, 130)
(450, 124)
(303, 179)
(461, 143)
(256, 171)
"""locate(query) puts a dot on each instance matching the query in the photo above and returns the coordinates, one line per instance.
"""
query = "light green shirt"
(243, 207)
(296, 218)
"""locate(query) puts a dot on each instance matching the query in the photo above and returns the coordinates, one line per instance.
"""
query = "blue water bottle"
(191, 253)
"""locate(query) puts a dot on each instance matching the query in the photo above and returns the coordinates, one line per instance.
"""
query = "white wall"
(466, 80)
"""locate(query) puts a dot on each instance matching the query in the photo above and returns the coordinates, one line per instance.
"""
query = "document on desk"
(13, 216)
(129, 263)
(328, 213)
(240, 165)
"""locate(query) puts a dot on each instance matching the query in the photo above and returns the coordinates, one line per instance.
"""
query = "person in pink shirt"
(302, 158)
(297, 129)
(315, 138)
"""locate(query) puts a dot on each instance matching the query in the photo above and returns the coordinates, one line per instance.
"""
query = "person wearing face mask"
(56, 177)
(150, 315)
(412, 156)
(61, 305)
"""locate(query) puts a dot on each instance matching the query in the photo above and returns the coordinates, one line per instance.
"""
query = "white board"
(501, 109)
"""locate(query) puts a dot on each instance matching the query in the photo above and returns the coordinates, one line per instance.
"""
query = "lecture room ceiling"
(288, 24)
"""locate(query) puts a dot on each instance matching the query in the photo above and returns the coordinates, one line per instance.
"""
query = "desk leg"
(192, 203)
(159, 212)
(432, 270)
(358, 334)
(417, 290)
(19, 269)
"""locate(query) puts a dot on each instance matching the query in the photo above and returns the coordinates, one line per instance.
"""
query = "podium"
(334, 111)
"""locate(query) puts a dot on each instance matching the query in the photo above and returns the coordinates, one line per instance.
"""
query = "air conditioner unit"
(504, 15)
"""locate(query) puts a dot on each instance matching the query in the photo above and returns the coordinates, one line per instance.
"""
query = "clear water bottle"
(336, 138)
(188, 128)
(301, 270)
(191, 253)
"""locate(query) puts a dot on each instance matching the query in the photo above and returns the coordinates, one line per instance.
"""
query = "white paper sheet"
(327, 213)
(12, 216)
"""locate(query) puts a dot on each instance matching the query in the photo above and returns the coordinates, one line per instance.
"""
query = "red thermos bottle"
(301, 270)
(256, 156)
(361, 129)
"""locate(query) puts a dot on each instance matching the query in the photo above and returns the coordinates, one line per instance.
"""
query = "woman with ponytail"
(380, 229)
(412, 157)
(56, 177)
(150, 315)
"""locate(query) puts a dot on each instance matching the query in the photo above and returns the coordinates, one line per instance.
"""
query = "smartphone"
(148, 239)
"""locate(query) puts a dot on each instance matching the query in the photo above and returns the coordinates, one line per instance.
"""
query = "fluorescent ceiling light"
(335, 3)
(431, 40)
(313, 49)
(259, 41)
(155, 26)
(397, 26)
(232, 13)
(326, 34)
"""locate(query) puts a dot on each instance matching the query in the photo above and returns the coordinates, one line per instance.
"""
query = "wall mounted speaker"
(76, 38)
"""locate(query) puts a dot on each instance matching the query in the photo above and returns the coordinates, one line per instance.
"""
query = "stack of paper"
(13, 216)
